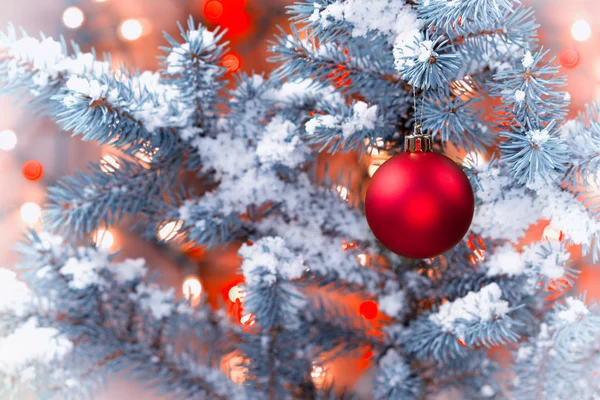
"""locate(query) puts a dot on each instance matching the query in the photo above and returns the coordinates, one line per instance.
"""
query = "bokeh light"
(169, 230)
(192, 289)
(213, 10)
(131, 29)
(8, 140)
(31, 213)
(33, 170)
(104, 239)
(369, 309)
(232, 62)
(581, 30)
(73, 17)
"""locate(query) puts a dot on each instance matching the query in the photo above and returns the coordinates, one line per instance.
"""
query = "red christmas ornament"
(33, 170)
(569, 58)
(419, 203)
(368, 309)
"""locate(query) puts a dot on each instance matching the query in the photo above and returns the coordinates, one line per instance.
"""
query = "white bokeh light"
(192, 288)
(581, 30)
(169, 230)
(8, 140)
(31, 213)
(104, 239)
(73, 17)
(131, 29)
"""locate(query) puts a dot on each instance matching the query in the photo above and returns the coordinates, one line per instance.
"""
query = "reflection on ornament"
(169, 230)
(552, 234)
(318, 375)
(192, 289)
(103, 238)
(368, 309)
(8, 140)
(109, 164)
(31, 213)
(73, 17)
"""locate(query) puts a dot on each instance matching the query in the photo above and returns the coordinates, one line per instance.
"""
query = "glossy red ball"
(420, 204)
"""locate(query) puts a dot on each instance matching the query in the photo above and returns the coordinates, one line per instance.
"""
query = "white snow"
(487, 391)
(551, 266)
(151, 297)
(84, 271)
(505, 261)
(391, 304)
(31, 345)
(268, 258)
(364, 117)
(575, 310)
(390, 18)
(519, 96)
(538, 137)
(128, 270)
(91, 88)
(280, 145)
(475, 307)
(15, 296)
(425, 51)
(527, 60)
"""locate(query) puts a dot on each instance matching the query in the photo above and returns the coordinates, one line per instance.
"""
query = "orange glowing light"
(247, 320)
(33, 170)
(368, 309)
(232, 62)
(461, 342)
(569, 58)
(213, 10)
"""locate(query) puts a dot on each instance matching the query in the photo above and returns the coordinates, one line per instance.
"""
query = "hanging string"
(418, 115)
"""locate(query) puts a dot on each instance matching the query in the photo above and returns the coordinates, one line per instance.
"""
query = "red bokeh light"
(569, 58)
(213, 10)
(368, 309)
(33, 170)
(232, 61)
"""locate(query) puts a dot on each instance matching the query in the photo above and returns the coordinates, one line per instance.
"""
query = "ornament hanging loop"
(417, 142)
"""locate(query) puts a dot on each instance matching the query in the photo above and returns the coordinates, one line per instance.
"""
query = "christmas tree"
(207, 157)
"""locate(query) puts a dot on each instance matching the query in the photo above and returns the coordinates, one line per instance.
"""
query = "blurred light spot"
(8, 140)
(104, 239)
(362, 259)
(247, 320)
(169, 230)
(232, 62)
(551, 233)
(131, 29)
(318, 375)
(31, 213)
(581, 30)
(569, 58)
(235, 293)
(213, 10)
(109, 164)
(73, 17)
(192, 289)
(369, 309)
(343, 191)
(32, 170)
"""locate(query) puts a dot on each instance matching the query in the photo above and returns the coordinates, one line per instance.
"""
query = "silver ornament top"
(418, 141)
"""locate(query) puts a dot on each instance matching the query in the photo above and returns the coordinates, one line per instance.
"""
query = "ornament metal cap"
(418, 141)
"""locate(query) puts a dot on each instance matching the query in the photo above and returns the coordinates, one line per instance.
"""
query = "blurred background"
(132, 31)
